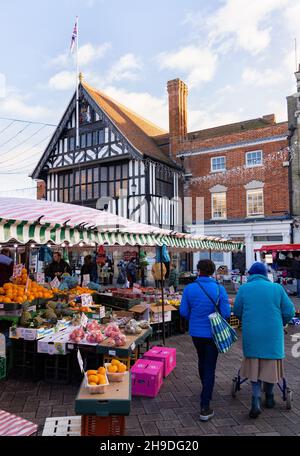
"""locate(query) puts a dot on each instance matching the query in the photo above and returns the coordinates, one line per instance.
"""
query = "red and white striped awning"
(12, 425)
(70, 215)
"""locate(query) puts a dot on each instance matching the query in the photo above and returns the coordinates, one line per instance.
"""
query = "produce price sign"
(80, 361)
(102, 311)
(40, 278)
(85, 280)
(84, 320)
(171, 290)
(86, 300)
(17, 270)
(55, 283)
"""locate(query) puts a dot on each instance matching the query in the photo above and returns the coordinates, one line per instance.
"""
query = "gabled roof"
(139, 132)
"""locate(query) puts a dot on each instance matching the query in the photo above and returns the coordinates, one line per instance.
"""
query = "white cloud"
(291, 18)
(16, 105)
(64, 80)
(198, 120)
(261, 78)
(199, 64)
(87, 54)
(127, 67)
(2, 85)
(238, 24)
(279, 109)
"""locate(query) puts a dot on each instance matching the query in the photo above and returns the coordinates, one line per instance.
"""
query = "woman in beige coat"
(156, 273)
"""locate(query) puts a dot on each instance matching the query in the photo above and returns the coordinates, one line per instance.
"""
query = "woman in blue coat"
(264, 308)
(198, 302)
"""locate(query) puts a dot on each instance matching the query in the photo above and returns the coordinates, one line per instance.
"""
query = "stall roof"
(24, 220)
(279, 248)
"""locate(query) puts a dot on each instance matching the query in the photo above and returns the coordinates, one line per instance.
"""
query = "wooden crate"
(92, 425)
(62, 425)
(234, 321)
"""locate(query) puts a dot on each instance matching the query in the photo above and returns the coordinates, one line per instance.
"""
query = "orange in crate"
(92, 425)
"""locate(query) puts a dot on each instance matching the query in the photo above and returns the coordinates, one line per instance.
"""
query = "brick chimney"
(270, 118)
(177, 91)
(40, 190)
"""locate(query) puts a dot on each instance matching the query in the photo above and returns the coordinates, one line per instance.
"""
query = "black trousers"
(207, 362)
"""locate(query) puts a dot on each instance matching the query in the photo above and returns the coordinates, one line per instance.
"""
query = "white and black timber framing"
(107, 166)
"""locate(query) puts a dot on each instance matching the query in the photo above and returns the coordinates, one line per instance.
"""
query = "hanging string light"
(284, 154)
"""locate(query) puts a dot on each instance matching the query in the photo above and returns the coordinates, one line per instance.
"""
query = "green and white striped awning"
(41, 222)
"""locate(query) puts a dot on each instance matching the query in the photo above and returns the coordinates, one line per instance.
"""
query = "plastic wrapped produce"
(133, 327)
(94, 286)
(93, 326)
(77, 335)
(95, 337)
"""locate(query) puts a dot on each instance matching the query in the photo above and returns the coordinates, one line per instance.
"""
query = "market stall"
(279, 259)
(27, 224)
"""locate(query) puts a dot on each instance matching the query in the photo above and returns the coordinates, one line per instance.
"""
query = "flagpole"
(77, 86)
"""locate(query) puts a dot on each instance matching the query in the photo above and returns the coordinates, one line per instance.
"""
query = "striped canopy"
(39, 221)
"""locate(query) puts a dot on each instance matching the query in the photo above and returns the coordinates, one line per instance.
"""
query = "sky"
(237, 57)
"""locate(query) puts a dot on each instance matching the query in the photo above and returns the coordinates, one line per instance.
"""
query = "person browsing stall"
(198, 302)
(6, 266)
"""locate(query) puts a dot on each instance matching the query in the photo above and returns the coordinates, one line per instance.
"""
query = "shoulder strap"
(216, 304)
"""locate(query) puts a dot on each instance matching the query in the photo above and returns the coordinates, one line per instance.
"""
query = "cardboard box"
(29, 333)
(55, 344)
(165, 355)
(156, 313)
(147, 377)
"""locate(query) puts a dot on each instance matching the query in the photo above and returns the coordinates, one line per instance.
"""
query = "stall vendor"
(57, 267)
(6, 266)
(89, 268)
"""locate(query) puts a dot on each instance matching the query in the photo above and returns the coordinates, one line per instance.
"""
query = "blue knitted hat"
(258, 268)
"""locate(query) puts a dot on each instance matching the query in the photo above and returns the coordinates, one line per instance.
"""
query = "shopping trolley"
(287, 393)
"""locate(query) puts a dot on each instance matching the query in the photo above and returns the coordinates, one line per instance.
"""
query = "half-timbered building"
(121, 164)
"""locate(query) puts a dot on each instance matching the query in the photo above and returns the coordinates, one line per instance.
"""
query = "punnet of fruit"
(96, 380)
(116, 370)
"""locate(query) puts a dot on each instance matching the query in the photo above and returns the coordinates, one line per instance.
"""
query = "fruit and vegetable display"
(17, 292)
(136, 327)
(116, 367)
(116, 337)
(49, 316)
(77, 335)
(97, 377)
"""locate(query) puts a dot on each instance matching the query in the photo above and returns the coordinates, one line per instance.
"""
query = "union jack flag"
(74, 36)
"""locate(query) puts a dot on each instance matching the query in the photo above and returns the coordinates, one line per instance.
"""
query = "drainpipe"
(290, 181)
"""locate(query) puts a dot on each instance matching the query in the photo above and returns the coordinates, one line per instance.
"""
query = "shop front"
(253, 234)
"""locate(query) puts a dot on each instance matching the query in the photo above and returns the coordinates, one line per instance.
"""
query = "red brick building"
(241, 171)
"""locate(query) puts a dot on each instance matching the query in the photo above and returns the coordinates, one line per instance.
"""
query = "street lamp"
(133, 191)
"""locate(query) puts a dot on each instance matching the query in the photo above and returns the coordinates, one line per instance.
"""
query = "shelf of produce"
(133, 342)
(115, 401)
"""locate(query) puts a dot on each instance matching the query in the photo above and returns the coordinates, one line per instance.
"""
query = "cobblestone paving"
(175, 411)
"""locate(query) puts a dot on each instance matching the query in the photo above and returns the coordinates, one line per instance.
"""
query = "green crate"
(2, 368)
(95, 405)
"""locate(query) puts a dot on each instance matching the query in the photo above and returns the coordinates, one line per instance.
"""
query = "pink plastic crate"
(146, 377)
(165, 355)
